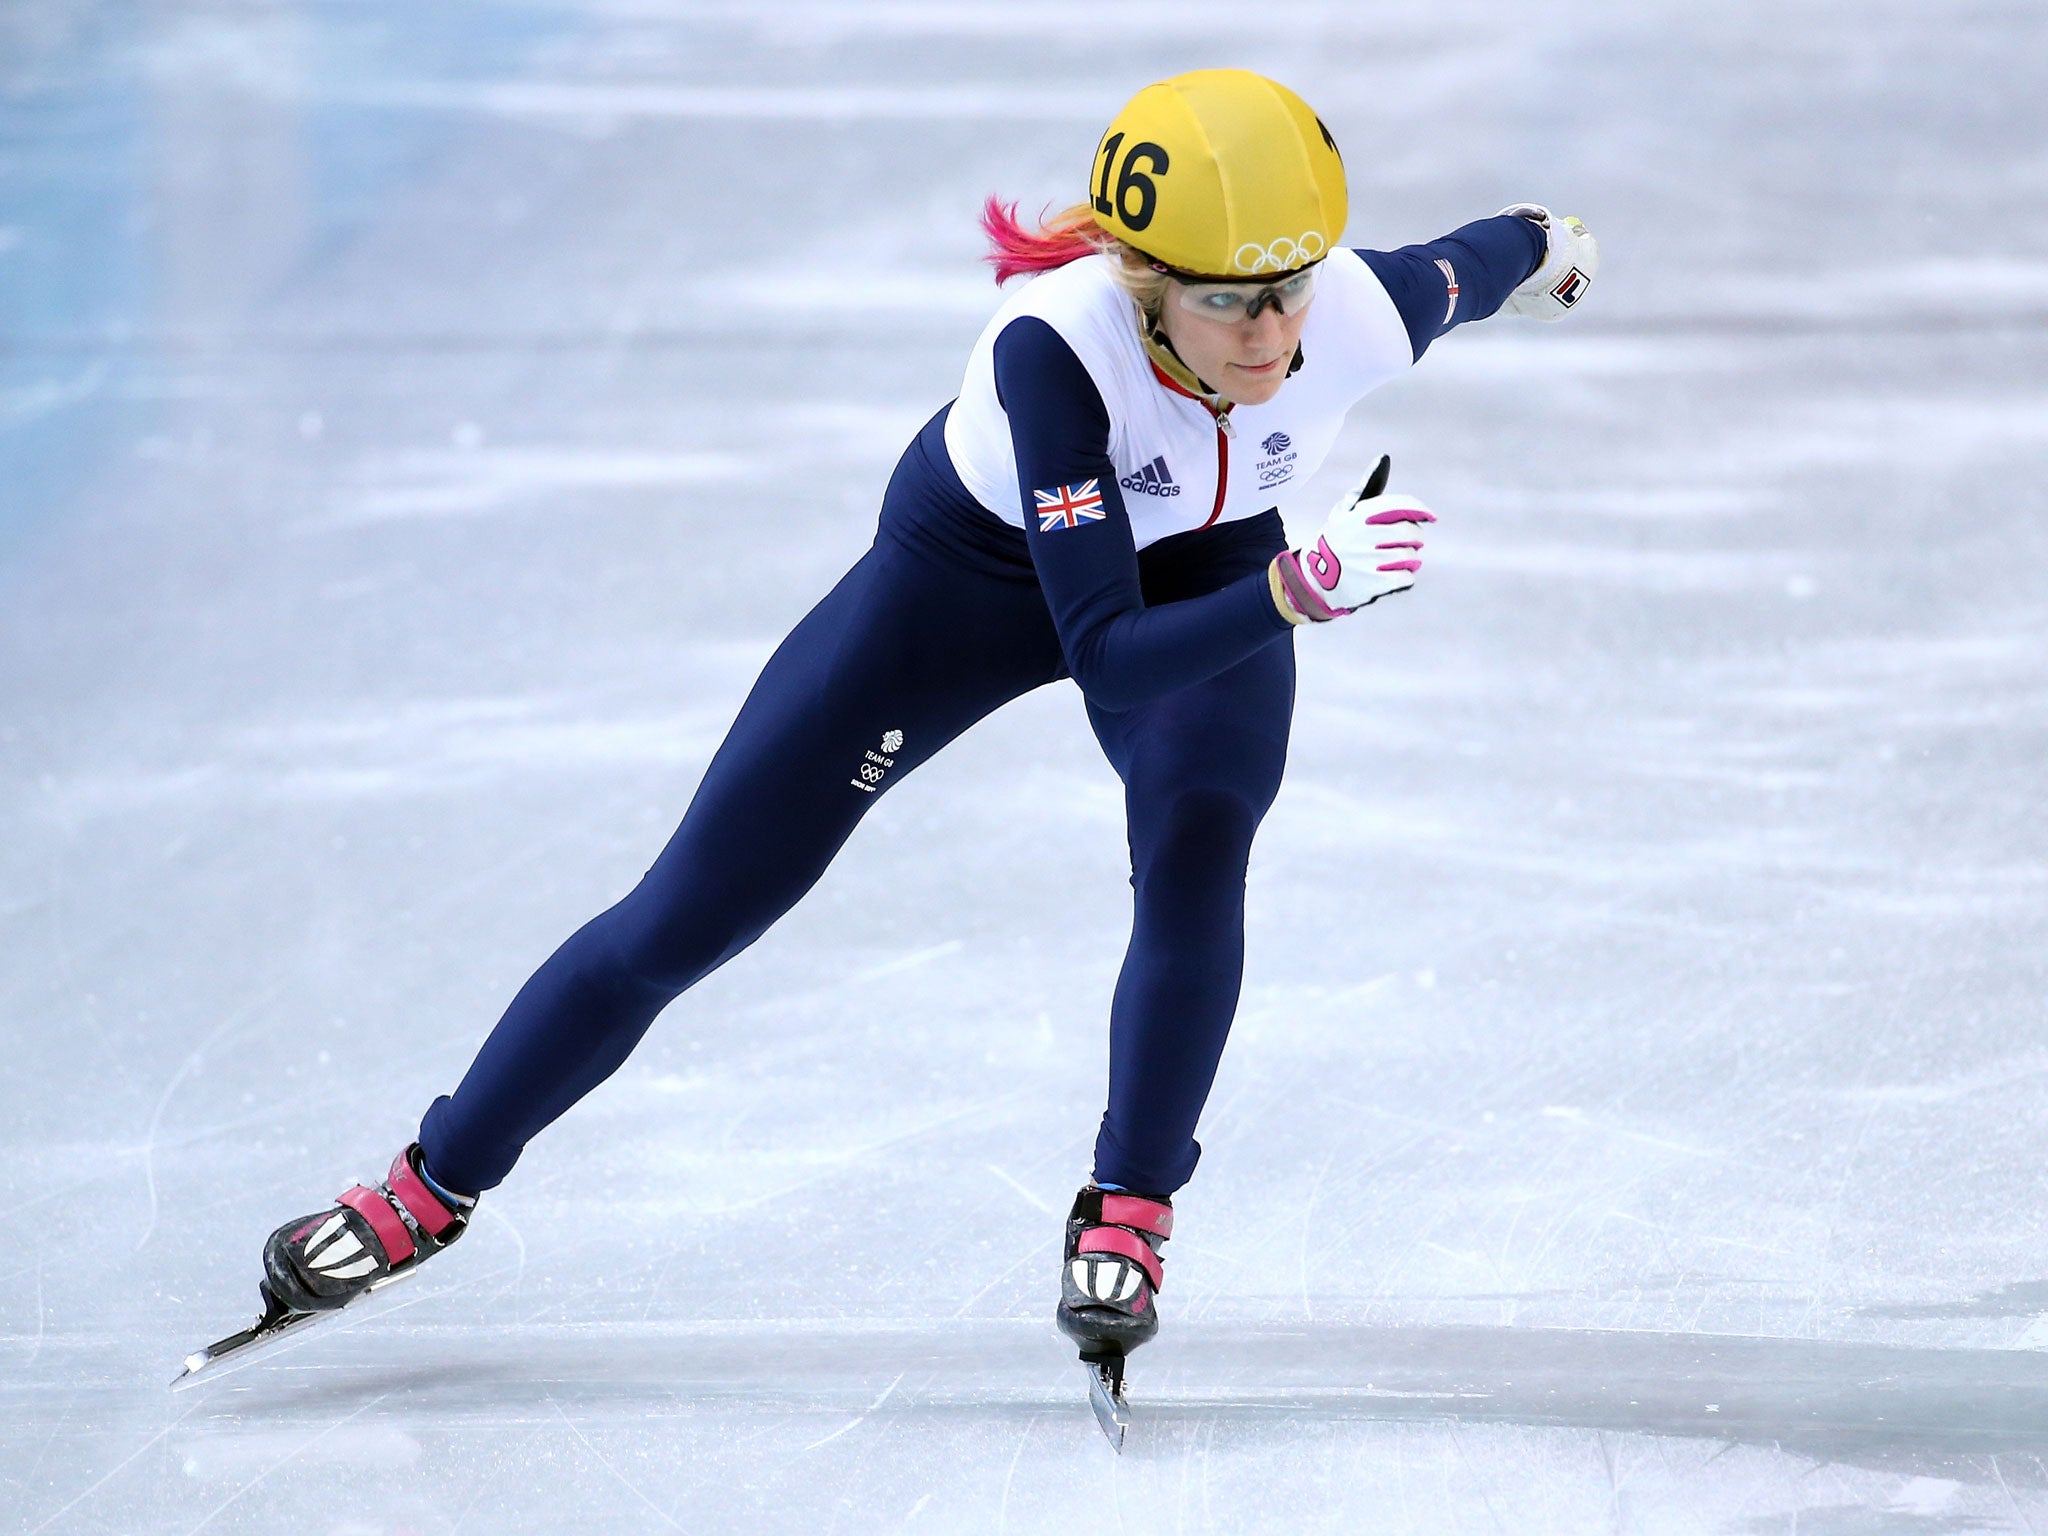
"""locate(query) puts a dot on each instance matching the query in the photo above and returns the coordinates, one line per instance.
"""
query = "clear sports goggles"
(1239, 302)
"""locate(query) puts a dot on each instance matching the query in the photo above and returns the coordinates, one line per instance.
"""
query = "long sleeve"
(1120, 652)
(1466, 275)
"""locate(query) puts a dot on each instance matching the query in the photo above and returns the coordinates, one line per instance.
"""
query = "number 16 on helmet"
(1220, 173)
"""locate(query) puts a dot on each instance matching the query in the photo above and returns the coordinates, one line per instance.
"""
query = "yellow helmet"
(1221, 173)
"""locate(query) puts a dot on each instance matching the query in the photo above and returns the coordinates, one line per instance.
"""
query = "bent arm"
(1466, 275)
(1121, 653)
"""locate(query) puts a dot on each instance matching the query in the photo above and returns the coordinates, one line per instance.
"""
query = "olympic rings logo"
(1282, 255)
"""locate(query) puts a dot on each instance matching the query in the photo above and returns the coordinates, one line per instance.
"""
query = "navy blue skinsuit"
(1189, 682)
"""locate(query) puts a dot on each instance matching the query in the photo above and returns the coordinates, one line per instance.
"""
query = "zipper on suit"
(1224, 433)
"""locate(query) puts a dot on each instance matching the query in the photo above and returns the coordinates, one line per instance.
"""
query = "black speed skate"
(325, 1261)
(1109, 1288)
(316, 1265)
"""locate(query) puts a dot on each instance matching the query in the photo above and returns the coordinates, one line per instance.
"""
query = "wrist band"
(1304, 597)
(1281, 600)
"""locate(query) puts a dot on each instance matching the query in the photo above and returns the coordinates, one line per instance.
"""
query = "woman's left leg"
(1200, 768)
(898, 659)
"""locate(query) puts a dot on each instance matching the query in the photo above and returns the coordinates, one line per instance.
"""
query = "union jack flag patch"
(1069, 506)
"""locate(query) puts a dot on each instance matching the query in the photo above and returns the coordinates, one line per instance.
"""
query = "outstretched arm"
(1474, 271)
(1120, 652)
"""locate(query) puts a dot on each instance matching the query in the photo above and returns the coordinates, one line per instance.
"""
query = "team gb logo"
(1276, 466)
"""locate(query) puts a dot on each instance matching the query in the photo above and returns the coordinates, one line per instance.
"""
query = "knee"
(661, 944)
(1198, 834)
(1219, 766)
(1200, 802)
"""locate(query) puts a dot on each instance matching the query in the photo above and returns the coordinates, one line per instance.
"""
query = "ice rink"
(417, 425)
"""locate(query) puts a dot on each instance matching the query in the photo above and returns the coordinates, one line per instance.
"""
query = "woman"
(1099, 504)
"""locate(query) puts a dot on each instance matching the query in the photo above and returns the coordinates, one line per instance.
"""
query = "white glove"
(1571, 258)
(1370, 546)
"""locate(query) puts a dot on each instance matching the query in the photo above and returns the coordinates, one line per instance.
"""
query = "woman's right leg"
(894, 663)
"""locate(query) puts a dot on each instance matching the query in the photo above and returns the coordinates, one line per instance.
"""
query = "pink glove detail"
(1307, 575)
(1377, 535)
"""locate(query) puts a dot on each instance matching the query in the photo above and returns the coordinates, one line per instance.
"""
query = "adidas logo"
(1155, 479)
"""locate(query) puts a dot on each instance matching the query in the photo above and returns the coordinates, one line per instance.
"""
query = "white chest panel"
(1168, 453)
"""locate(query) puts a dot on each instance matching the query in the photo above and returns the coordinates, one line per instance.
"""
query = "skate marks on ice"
(2025, 1298)
(1878, 1406)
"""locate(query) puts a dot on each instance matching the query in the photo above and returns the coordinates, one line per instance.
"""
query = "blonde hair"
(1065, 237)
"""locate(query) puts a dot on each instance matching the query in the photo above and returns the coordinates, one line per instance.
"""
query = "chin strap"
(1160, 349)
(1168, 360)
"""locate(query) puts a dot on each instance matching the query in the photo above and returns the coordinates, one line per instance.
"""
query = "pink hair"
(1020, 252)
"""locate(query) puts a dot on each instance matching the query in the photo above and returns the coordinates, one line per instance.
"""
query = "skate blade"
(278, 1326)
(1106, 1397)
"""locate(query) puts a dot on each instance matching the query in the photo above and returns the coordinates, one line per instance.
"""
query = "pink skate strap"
(412, 1192)
(372, 1207)
(1134, 1211)
(1127, 1245)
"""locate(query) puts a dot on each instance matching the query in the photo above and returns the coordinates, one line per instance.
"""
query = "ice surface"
(1640, 1130)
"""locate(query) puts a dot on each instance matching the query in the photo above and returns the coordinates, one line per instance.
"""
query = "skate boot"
(324, 1261)
(1109, 1287)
